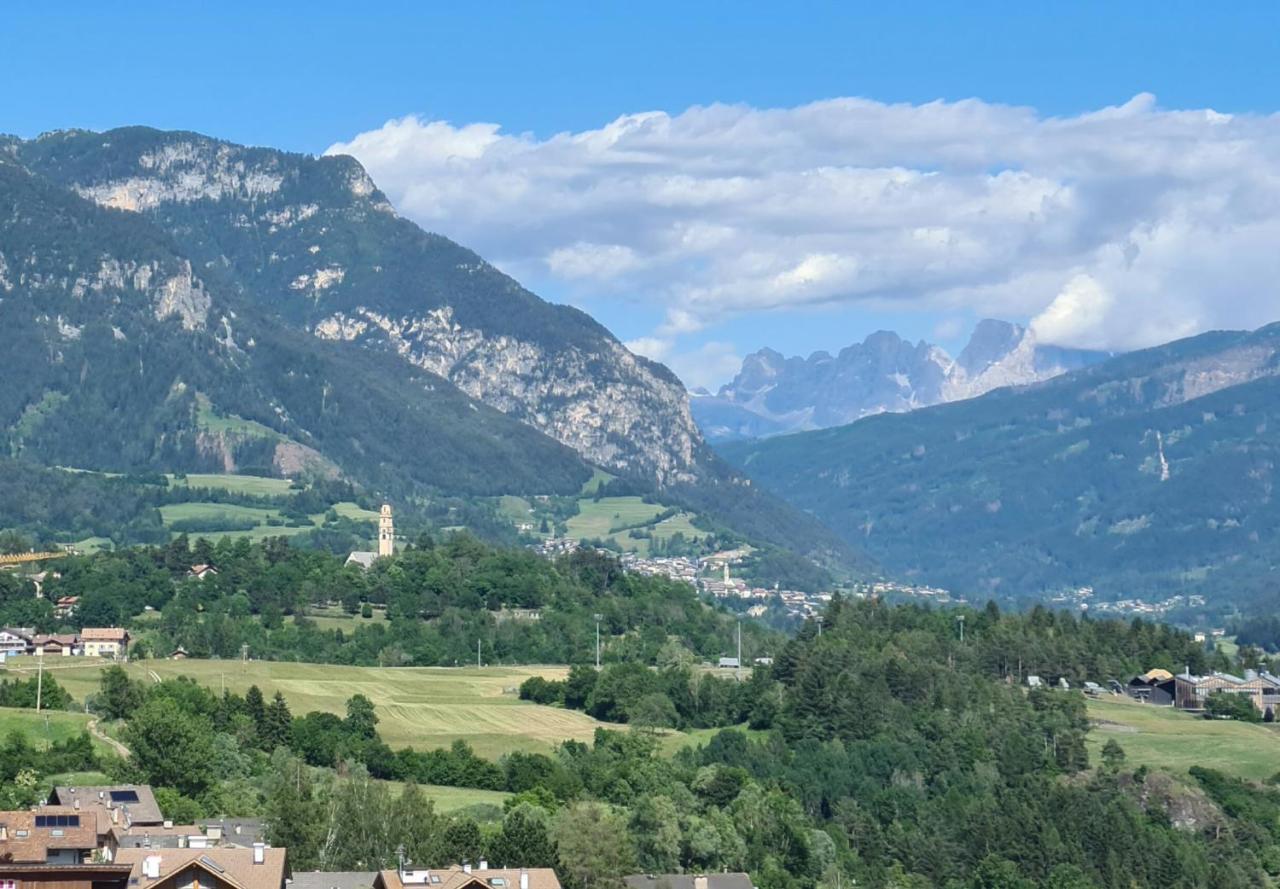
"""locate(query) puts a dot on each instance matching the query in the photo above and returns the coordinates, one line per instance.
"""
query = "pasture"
(421, 707)
(236, 484)
(1161, 737)
(451, 799)
(46, 727)
(613, 517)
(261, 516)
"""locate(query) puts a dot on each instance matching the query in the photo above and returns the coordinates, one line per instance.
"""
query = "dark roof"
(337, 879)
(688, 881)
(239, 831)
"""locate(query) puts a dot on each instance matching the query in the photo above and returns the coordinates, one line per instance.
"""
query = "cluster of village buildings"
(1188, 692)
(1184, 691)
(115, 837)
(104, 642)
(1083, 599)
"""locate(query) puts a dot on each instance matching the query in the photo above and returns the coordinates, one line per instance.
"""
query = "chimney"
(115, 815)
(700, 882)
(101, 794)
(151, 867)
(484, 865)
(259, 853)
(466, 867)
(168, 824)
(76, 804)
(524, 878)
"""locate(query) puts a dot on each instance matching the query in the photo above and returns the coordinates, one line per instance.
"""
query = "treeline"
(438, 599)
(895, 754)
(675, 696)
(24, 768)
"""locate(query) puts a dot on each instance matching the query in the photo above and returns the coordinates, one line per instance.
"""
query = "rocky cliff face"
(606, 404)
(313, 243)
(882, 374)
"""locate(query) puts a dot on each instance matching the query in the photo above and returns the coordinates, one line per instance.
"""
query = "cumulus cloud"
(1118, 228)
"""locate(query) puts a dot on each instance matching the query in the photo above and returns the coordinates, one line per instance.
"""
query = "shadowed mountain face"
(884, 373)
(174, 302)
(1148, 474)
(312, 244)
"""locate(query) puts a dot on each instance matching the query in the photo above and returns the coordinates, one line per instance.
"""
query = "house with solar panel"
(47, 836)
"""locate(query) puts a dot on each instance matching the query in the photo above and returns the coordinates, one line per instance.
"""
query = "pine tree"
(255, 706)
(277, 724)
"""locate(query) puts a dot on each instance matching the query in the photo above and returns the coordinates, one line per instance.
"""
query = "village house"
(108, 642)
(689, 881)
(118, 805)
(258, 867)
(201, 571)
(65, 644)
(93, 875)
(1262, 689)
(48, 835)
(466, 877)
(209, 835)
(66, 606)
(15, 641)
(336, 879)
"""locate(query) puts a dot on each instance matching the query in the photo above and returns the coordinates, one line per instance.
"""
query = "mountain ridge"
(1148, 473)
(179, 303)
(772, 394)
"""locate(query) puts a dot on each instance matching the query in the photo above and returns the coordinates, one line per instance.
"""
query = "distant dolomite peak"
(773, 394)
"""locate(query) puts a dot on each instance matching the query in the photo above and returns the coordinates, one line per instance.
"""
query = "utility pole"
(739, 649)
(819, 620)
(39, 678)
(960, 619)
(477, 654)
(599, 617)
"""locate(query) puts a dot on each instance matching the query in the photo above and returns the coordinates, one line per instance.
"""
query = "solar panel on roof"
(211, 864)
(124, 796)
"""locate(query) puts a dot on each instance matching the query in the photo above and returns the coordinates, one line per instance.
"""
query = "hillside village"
(115, 837)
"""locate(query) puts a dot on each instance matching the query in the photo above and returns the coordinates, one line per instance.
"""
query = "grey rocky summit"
(772, 394)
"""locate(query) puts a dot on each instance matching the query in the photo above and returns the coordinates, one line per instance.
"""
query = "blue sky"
(306, 76)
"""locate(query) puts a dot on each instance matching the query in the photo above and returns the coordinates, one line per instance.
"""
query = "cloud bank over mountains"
(1115, 229)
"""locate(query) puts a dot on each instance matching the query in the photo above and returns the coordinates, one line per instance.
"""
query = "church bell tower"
(386, 532)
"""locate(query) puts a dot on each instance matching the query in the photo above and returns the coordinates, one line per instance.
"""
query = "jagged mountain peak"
(883, 373)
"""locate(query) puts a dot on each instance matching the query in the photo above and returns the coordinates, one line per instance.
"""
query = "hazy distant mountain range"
(884, 373)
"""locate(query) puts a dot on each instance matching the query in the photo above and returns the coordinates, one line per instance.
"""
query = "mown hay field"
(420, 707)
(1161, 737)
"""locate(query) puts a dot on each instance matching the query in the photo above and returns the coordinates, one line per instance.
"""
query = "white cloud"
(707, 366)
(1076, 313)
(654, 347)
(1117, 228)
(599, 261)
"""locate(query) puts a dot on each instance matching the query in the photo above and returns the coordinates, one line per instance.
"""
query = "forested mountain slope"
(312, 243)
(176, 303)
(1151, 473)
(120, 356)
